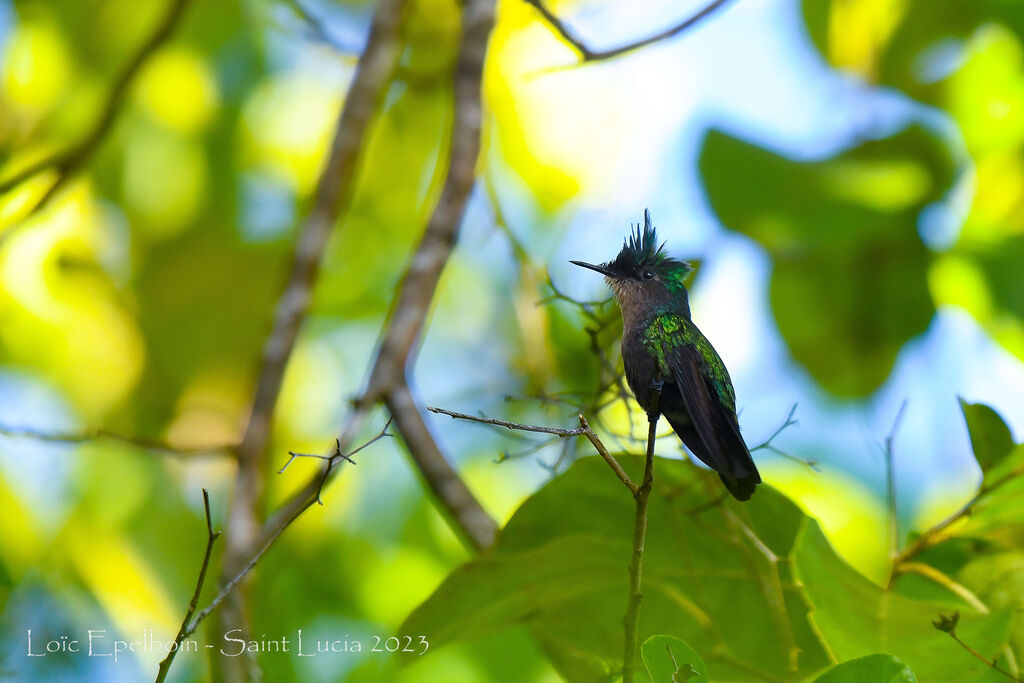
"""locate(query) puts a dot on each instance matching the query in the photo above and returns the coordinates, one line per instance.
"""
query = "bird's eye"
(647, 275)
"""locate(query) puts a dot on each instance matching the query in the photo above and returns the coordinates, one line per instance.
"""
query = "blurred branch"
(70, 161)
(890, 485)
(936, 576)
(334, 190)
(767, 444)
(387, 378)
(103, 435)
(590, 55)
(316, 28)
(935, 534)
(583, 430)
(642, 494)
(211, 537)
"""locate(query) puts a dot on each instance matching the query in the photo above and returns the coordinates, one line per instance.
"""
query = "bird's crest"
(641, 250)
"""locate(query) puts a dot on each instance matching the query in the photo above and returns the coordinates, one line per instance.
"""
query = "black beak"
(601, 269)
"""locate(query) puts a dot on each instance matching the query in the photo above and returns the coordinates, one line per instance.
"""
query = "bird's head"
(643, 275)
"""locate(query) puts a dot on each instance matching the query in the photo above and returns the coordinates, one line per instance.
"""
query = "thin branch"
(631, 621)
(768, 445)
(268, 541)
(316, 28)
(958, 589)
(590, 55)
(370, 82)
(68, 162)
(333, 459)
(890, 485)
(104, 435)
(583, 430)
(211, 537)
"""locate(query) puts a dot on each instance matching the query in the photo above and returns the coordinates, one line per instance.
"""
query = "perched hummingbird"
(661, 347)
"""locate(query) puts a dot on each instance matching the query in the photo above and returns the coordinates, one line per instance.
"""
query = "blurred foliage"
(873, 668)
(848, 263)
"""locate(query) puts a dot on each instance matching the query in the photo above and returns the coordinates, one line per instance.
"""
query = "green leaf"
(990, 437)
(672, 660)
(710, 577)
(848, 264)
(857, 618)
(878, 668)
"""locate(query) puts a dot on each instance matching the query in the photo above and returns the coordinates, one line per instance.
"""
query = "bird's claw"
(657, 385)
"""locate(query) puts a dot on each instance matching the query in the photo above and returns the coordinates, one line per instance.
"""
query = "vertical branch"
(334, 190)
(183, 632)
(890, 487)
(631, 621)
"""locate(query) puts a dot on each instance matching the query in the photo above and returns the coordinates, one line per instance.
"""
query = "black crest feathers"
(641, 250)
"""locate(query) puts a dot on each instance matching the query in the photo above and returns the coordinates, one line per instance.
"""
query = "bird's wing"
(707, 393)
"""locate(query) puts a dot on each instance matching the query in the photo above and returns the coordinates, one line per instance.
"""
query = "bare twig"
(104, 435)
(68, 162)
(334, 191)
(768, 445)
(590, 55)
(333, 459)
(631, 621)
(211, 537)
(268, 541)
(316, 28)
(890, 486)
(583, 430)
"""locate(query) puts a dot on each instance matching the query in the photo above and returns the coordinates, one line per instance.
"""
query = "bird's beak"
(601, 269)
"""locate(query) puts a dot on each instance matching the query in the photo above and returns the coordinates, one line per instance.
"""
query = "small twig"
(631, 621)
(274, 535)
(316, 28)
(958, 589)
(583, 430)
(333, 459)
(590, 55)
(211, 537)
(949, 624)
(68, 162)
(768, 445)
(104, 435)
(890, 486)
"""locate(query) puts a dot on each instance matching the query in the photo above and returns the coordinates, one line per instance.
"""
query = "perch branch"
(631, 621)
(211, 538)
(67, 163)
(588, 54)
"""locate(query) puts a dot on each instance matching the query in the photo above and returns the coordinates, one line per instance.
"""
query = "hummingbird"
(670, 365)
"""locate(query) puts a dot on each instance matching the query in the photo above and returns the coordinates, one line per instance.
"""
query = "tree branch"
(104, 435)
(211, 537)
(590, 55)
(890, 485)
(333, 194)
(68, 162)
(631, 621)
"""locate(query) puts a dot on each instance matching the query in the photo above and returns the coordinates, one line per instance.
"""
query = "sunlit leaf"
(990, 437)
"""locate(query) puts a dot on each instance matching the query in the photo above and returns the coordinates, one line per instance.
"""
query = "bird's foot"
(658, 384)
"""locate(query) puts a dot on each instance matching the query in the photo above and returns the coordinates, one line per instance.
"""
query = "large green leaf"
(848, 286)
(672, 660)
(878, 668)
(710, 576)
(857, 618)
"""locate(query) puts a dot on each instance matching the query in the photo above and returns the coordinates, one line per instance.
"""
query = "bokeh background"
(848, 174)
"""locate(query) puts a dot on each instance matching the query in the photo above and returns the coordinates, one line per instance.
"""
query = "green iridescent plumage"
(671, 330)
(670, 365)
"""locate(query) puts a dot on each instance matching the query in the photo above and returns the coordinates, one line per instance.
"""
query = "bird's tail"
(731, 460)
